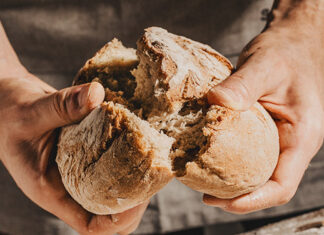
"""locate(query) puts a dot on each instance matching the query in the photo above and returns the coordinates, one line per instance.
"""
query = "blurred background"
(54, 38)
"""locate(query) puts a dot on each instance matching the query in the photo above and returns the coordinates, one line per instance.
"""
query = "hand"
(31, 111)
(283, 69)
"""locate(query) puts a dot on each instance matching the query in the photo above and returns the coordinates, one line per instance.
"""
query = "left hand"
(31, 114)
(283, 69)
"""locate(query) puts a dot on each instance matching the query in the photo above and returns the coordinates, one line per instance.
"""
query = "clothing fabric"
(53, 39)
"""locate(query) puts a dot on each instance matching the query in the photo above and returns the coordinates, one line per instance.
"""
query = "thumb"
(242, 89)
(67, 106)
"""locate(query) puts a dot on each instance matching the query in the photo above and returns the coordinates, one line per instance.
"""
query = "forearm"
(9, 62)
(302, 12)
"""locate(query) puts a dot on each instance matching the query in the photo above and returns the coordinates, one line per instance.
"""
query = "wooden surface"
(307, 224)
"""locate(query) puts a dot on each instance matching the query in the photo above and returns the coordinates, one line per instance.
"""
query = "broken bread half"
(113, 160)
(156, 124)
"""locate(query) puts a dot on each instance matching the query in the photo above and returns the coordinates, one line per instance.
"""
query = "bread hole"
(122, 83)
(118, 82)
(179, 163)
(189, 107)
(157, 44)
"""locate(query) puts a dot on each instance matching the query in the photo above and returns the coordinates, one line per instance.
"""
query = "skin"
(283, 69)
(31, 112)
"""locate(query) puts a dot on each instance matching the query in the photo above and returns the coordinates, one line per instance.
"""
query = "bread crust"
(113, 160)
(241, 154)
(112, 58)
(107, 161)
(242, 147)
(184, 69)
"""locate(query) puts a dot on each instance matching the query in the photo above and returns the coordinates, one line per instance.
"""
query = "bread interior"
(136, 88)
(184, 122)
(120, 119)
(186, 127)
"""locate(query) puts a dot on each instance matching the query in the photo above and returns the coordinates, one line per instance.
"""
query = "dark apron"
(53, 38)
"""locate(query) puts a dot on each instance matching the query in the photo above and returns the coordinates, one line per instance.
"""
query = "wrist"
(10, 69)
(9, 62)
(299, 22)
(298, 14)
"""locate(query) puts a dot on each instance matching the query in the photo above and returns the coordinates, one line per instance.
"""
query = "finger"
(64, 107)
(260, 199)
(9, 61)
(56, 200)
(64, 207)
(133, 226)
(244, 87)
(130, 228)
(116, 222)
(277, 191)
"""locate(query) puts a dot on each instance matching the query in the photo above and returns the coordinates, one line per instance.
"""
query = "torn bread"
(211, 149)
(113, 160)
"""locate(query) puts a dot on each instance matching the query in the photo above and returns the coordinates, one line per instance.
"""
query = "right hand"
(31, 112)
(283, 69)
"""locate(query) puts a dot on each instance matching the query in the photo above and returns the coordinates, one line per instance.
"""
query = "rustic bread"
(217, 151)
(211, 149)
(240, 155)
(176, 68)
(113, 160)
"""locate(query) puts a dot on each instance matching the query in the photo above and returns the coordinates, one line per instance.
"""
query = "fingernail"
(224, 97)
(228, 94)
(83, 95)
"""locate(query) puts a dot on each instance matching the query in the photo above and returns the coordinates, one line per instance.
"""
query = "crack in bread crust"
(166, 128)
(112, 161)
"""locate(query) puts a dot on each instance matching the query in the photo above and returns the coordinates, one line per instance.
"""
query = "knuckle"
(286, 196)
(277, 54)
(241, 87)
(257, 43)
(57, 104)
(283, 200)
(261, 46)
(60, 105)
(22, 118)
(236, 208)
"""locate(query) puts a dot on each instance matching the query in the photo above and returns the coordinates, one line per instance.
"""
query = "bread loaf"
(156, 124)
